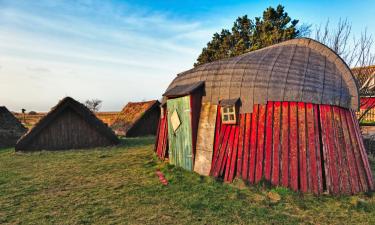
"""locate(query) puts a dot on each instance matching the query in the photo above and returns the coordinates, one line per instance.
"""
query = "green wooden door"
(180, 132)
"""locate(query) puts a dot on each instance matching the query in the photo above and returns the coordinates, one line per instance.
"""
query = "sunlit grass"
(119, 186)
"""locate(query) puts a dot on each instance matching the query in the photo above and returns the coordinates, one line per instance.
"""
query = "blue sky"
(120, 51)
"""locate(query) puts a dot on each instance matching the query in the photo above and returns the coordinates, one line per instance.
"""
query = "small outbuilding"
(137, 119)
(11, 129)
(69, 125)
(365, 77)
(284, 114)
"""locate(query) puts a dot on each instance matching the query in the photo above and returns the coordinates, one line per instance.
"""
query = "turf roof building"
(69, 125)
(11, 128)
(365, 77)
(137, 119)
(283, 113)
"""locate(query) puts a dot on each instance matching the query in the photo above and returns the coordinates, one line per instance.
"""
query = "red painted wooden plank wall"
(161, 144)
(303, 146)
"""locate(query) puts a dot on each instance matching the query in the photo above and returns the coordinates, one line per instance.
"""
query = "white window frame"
(229, 114)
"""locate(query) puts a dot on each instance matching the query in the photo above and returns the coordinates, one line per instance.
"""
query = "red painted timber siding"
(303, 146)
(161, 145)
(306, 147)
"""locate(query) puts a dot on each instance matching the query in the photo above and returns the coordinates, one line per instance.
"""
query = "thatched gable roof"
(300, 70)
(132, 113)
(11, 129)
(363, 73)
(78, 108)
(363, 76)
(8, 120)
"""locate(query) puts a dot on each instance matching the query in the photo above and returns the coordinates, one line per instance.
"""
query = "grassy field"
(119, 186)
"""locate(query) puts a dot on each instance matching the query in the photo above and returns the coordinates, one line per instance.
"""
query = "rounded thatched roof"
(301, 70)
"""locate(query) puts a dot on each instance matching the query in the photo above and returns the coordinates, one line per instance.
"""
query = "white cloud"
(86, 50)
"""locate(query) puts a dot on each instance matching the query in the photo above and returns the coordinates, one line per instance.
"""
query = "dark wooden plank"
(285, 144)
(353, 176)
(245, 162)
(341, 153)
(332, 162)
(195, 113)
(363, 152)
(217, 127)
(355, 149)
(232, 168)
(157, 141)
(221, 153)
(253, 143)
(293, 146)
(229, 152)
(275, 176)
(303, 175)
(319, 151)
(218, 142)
(260, 144)
(163, 137)
(241, 144)
(313, 181)
(325, 144)
(268, 144)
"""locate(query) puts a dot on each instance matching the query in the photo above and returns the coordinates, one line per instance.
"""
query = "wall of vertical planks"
(161, 142)
(302, 146)
(205, 139)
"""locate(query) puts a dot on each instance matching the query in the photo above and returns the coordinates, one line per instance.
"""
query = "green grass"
(119, 186)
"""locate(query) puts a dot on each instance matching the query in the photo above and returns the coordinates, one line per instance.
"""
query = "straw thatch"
(137, 119)
(363, 75)
(11, 128)
(301, 70)
(69, 125)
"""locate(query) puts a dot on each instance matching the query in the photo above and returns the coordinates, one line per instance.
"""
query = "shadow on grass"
(124, 142)
(137, 141)
(3, 149)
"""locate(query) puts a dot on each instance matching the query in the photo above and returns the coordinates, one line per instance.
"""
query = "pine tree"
(246, 35)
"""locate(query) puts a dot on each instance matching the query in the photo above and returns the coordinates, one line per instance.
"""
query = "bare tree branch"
(93, 104)
(356, 52)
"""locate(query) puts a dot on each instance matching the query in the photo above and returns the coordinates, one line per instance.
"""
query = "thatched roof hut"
(365, 77)
(282, 113)
(137, 119)
(11, 128)
(69, 125)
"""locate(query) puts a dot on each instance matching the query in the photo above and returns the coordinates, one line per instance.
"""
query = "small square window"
(228, 115)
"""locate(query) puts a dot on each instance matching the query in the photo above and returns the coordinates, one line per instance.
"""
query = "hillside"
(119, 186)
